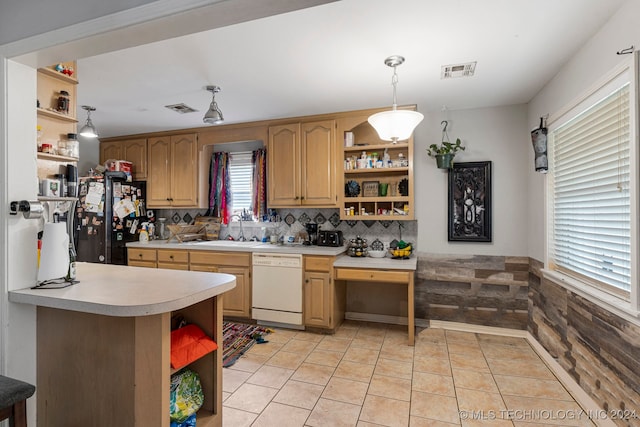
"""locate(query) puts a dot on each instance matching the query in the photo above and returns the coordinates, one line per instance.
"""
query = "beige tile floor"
(366, 375)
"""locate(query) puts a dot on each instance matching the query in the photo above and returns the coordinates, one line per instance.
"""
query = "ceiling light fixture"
(213, 116)
(395, 125)
(89, 130)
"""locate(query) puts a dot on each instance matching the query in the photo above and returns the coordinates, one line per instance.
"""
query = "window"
(241, 180)
(590, 189)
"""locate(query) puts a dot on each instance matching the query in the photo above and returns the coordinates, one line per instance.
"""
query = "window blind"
(241, 179)
(591, 203)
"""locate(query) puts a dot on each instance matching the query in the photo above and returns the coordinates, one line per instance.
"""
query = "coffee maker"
(312, 231)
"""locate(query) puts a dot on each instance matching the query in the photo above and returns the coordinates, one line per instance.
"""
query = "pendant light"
(395, 125)
(213, 116)
(89, 130)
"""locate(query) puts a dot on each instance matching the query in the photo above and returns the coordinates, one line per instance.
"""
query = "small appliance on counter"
(312, 232)
(330, 238)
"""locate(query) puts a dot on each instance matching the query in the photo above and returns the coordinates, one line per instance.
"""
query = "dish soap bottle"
(144, 234)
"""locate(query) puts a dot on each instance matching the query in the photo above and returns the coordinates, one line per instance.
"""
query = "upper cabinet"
(172, 171)
(302, 164)
(377, 176)
(132, 150)
(56, 107)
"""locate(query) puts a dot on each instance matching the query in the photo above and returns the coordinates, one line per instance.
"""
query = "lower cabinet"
(137, 257)
(324, 300)
(236, 302)
(173, 259)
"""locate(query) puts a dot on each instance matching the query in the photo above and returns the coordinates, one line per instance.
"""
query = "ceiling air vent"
(458, 70)
(181, 108)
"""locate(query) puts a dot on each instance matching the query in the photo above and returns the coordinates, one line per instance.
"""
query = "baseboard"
(478, 329)
(581, 397)
(383, 318)
(584, 400)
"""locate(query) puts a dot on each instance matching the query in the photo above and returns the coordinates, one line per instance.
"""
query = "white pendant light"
(395, 125)
(213, 116)
(89, 130)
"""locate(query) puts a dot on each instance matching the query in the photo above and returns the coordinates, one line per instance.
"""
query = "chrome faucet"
(241, 237)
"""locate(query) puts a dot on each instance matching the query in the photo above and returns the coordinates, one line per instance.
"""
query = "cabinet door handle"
(296, 198)
(171, 256)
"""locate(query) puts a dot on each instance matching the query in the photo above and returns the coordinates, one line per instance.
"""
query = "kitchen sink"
(227, 243)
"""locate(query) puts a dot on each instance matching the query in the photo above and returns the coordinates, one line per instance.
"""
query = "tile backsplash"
(292, 222)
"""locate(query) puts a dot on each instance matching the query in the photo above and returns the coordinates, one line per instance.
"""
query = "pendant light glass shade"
(213, 116)
(89, 130)
(395, 125)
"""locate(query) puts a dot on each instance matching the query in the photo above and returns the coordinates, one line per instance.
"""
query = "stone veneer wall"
(600, 350)
(475, 289)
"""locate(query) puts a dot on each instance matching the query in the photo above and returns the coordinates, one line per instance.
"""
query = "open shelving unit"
(396, 204)
(55, 125)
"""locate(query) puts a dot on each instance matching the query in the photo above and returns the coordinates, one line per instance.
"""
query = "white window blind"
(241, 180)
(591, 200)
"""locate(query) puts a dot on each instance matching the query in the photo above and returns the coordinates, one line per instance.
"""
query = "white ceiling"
(330, 58)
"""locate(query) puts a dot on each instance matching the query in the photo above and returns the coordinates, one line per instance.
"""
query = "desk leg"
(411, 310)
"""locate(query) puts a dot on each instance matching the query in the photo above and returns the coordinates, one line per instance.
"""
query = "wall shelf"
(369, 147)
(53, 73)
(55, 115)
(56, 157)
(376, 170)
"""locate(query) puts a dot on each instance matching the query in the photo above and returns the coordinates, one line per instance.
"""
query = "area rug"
(238, 338)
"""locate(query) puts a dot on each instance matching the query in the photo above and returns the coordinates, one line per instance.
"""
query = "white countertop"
(386, 263)
(234, 246)
(118, 290)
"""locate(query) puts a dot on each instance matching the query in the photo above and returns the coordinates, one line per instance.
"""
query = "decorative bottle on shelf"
(71, 274)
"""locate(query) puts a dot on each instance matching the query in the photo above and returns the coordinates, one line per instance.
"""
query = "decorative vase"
(444, 161)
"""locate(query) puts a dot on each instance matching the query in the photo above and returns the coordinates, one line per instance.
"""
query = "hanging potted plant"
(445, 151)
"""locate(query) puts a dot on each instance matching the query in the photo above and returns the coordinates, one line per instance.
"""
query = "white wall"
(22, 233)
(498, 134)
(595, 60)
(21, 19)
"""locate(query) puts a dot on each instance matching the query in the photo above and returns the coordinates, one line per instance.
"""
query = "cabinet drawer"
(147, 264)
(373, 275)
(172, 255)
(318, 263)
(207, 268)
(241, 259)
(138, 254)
(173, 266)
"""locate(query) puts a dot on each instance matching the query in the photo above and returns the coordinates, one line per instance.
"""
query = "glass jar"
(61, 148)
(73, 148)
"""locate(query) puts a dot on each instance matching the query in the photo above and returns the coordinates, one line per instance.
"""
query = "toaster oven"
(330, 238)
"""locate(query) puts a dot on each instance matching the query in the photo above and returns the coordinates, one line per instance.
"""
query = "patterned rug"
(238, 338)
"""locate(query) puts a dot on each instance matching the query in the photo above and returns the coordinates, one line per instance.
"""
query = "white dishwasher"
(277, 289)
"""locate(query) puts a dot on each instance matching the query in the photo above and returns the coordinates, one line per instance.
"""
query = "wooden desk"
(381, 270)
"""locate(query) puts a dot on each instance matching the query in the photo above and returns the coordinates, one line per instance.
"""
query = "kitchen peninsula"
(104, 344)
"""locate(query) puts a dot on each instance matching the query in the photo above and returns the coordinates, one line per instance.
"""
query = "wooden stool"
(13, 401)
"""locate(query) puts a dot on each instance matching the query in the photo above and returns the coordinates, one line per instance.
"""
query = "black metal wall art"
(470, 202)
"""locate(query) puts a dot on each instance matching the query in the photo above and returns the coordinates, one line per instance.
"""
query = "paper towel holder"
(30, 209)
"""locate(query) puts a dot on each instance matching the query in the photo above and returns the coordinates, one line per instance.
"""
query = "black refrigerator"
(110, 212)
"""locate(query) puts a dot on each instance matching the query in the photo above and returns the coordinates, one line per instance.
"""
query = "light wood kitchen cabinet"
(172, 171)
(110, 150)
(173, 259)
(137, 257)
(132, 150)
(237, 302)
(324, 302)
(398, 202)
(302, 164)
